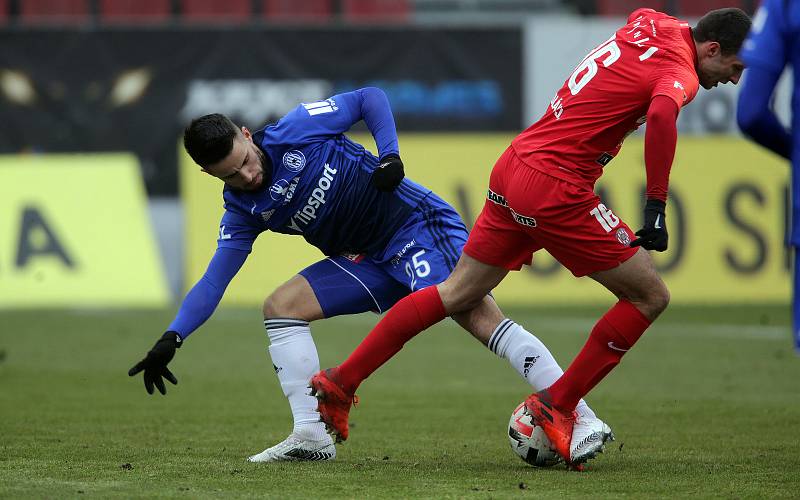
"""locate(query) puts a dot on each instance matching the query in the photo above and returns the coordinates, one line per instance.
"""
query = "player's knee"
(278, 305)
(658, 299)
(459, 298)
(471, 301)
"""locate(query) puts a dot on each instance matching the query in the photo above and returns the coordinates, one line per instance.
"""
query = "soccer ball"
(529, 441)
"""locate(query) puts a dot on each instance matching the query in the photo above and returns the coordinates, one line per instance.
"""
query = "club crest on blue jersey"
(294, 160)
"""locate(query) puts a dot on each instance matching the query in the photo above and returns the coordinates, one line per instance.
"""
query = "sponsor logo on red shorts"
(496, 198)
(523, 219)
(501, 200)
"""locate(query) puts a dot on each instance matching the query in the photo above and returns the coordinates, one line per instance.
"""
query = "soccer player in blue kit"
(774, 42)
(384, 236)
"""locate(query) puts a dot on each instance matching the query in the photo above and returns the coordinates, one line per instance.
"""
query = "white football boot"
(589, 436)
(296, 448)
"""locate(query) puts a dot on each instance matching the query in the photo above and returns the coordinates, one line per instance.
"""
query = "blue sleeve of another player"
(203, 298)
(765, 46)
(765, 53)
(755, 115)
(337, 115)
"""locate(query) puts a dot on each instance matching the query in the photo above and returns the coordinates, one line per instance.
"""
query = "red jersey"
(607, 97)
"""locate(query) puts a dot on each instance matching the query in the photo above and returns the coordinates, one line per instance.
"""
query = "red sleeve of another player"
(659, 145)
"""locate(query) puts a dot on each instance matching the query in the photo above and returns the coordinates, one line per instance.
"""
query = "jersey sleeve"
(377, 115)
(754, 113)
(660, 139)
(338, 114)
(205, 295)
(765, 46)
(674, 81)
(236, 232)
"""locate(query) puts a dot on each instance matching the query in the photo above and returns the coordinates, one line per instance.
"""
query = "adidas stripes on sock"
(529, 357)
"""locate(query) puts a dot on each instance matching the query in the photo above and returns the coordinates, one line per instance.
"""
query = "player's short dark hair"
(728, 27)
(209, 139)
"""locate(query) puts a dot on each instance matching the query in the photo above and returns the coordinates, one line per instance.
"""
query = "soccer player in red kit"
(541, 196)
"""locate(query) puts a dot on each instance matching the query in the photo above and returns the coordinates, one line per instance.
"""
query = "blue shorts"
(422, 253)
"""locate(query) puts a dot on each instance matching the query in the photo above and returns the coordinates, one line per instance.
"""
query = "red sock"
(611, 337)
(408, 317)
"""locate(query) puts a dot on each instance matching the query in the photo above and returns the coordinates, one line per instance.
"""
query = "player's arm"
(234, 246)
(755, 115)
(373, 107)
(765, 54)
(660, 140)
(197, 307)
(204, 297)
(337, 115)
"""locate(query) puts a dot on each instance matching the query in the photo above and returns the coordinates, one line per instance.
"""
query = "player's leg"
(495, 238)
(642, 297)
(421, 255)
(509, 340)
(328, 288)
(588, 239)
(472, 279)
(505, 236)
(287, 314)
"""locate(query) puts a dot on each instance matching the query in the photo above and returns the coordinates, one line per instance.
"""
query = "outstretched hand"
(155, 363)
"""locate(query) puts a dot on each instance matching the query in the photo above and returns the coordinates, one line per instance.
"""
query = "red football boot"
(555, 423)
(333, 403)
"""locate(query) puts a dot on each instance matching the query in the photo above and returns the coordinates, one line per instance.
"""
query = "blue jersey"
(320, 186)
(773, 43)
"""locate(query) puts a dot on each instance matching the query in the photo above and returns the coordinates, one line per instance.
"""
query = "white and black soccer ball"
(529, 441)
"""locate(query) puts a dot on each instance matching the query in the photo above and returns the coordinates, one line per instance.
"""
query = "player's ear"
(713, 49)
(246, 133)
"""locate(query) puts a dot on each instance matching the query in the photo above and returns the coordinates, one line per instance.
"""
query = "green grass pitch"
(706, 405)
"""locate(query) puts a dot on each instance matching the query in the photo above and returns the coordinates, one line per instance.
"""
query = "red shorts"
(527, 210)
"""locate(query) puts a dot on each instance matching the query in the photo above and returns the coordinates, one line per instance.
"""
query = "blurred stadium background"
(124, 77)
(105, 221)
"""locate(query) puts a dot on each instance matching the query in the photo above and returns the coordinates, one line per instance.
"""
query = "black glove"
(155, 363)
(653, 235)
(389, 173)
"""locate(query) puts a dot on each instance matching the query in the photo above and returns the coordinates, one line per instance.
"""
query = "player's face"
(716, 68)
(243, 168)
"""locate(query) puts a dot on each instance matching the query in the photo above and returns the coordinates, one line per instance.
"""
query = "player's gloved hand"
(389, 173)
(155, 363)
(653, 236)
